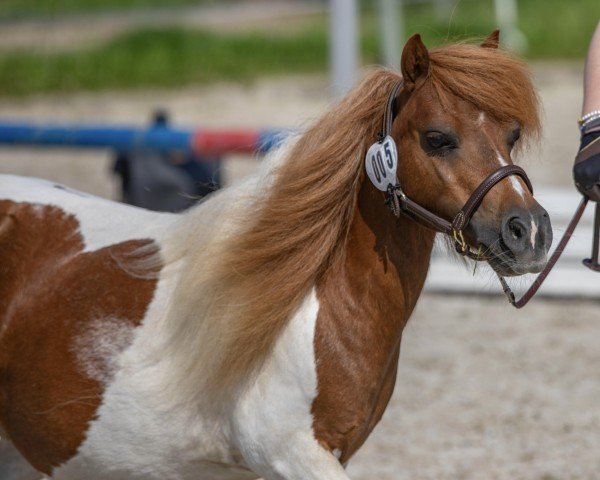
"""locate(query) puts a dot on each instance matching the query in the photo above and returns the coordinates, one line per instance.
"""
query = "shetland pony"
(257, 334)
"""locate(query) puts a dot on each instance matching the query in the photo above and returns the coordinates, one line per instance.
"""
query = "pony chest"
(353, 395)
(357, 357)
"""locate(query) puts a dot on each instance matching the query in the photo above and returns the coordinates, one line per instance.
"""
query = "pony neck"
(396, 253)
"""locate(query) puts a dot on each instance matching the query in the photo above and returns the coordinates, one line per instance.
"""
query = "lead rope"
(560, 248)
(593, 262)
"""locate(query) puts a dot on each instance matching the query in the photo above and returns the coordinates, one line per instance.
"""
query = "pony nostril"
(526, 235)
(516, 228)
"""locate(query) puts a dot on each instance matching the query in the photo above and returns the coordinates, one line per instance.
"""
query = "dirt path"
(485, 392)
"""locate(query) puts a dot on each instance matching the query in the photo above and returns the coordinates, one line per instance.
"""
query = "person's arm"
(586, 171)
(591, 85)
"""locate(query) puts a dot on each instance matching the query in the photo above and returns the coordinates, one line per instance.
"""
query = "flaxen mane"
(240, 289)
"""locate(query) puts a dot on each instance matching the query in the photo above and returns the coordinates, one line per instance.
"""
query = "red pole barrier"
(216, 142)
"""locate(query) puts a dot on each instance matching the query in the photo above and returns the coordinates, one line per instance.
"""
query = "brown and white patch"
(64, 315)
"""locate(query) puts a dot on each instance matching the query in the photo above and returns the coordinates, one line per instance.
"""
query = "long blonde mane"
(247, 273)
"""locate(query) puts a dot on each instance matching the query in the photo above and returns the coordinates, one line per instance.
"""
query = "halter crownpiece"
(398, 203)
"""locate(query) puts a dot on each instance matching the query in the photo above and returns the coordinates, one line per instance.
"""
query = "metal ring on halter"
(400, 192)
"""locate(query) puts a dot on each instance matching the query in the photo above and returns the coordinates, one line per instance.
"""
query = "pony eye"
(514, 137)
(439, 141)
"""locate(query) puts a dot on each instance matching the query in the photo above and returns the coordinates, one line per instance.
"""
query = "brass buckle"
(460, 241)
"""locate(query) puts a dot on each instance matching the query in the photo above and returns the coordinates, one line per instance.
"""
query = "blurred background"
(157, 102)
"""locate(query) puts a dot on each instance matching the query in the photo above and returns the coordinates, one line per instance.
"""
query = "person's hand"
(586, 171)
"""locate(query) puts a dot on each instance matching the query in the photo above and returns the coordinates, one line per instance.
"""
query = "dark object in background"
(165, 181)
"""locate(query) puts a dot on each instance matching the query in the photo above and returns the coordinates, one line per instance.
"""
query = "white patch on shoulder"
(139, 435)
(288, 383)
(98, 347)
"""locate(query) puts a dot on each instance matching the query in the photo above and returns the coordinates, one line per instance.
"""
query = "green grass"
(559, 28)
(174, 57)
(19, 9)
(164, 58)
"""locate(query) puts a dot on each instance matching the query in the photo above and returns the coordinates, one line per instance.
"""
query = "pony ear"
(493, 40)
(415, 60)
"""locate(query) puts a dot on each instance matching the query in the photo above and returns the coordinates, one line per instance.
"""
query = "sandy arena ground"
(484, 392)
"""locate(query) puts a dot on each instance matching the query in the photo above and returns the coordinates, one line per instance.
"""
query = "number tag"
(381, 163)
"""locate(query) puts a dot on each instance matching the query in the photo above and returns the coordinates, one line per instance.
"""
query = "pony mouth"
(503, 261)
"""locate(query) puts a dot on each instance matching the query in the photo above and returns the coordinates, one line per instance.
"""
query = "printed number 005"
(378, 167)
(381, 162)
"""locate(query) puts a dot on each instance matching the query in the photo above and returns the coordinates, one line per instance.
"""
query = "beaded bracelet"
(590, 125)
(588, 117)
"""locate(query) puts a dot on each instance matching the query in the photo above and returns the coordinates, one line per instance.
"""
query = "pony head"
(464, 110)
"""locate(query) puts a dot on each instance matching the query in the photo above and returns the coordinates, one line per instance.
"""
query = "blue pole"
(119, 138)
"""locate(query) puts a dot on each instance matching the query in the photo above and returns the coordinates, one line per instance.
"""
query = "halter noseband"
(400, 203)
